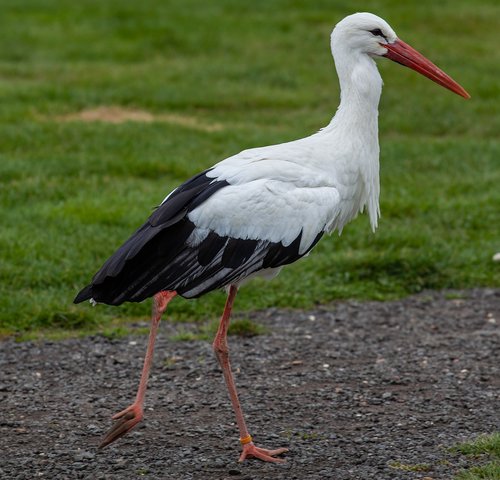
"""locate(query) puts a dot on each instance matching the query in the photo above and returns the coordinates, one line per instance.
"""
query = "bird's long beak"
(402, 53)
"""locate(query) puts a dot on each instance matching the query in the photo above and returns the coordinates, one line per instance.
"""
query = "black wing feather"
(209, 248)
(238, 251)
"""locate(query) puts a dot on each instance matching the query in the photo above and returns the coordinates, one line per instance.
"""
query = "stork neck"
(355, 125)
(360, 90)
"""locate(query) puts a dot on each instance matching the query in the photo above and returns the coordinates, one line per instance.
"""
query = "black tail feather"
(84, 294)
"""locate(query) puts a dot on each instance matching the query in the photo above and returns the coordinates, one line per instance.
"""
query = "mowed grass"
(214, 78)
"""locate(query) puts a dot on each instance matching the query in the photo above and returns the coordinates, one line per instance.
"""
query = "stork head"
(365, 33)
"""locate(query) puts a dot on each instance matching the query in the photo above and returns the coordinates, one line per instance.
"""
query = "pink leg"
(132, 415)
(222, 352)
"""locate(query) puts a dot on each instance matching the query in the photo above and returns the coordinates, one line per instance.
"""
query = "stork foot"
(126, 420)
(250, 450)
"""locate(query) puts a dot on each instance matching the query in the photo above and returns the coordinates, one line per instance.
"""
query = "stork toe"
(250, 450)
(126, 420)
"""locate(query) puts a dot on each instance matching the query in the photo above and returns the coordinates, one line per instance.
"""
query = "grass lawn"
(200, 81)
(485, 451)
(483, 458)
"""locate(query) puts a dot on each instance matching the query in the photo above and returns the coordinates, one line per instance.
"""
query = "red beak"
(402, 53)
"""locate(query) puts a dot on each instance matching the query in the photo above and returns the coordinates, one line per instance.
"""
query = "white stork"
(264, 208)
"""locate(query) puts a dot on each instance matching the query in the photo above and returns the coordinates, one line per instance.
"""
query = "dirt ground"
(355, 390)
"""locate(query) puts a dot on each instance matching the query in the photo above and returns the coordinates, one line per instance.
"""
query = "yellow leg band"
(246, 440)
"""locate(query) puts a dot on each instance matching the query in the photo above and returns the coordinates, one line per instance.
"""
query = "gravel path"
(354, 390)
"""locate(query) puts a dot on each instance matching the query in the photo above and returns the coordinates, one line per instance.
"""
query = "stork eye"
(378, 33)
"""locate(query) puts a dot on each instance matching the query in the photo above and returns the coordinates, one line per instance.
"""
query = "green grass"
(484, 444)
(484, 448)
(71, 192)
(490, 471)
(419, 467)
(483, 460)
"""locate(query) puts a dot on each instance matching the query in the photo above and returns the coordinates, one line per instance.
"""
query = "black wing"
(159, 256)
